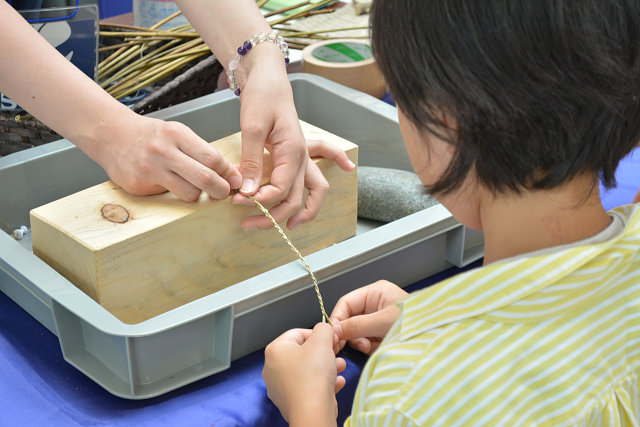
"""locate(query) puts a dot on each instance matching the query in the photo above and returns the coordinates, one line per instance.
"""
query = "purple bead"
(247, 45)
(242, 51)
(286, 61)
(237, 92)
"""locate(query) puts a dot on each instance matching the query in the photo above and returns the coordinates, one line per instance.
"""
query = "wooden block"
(142, 256)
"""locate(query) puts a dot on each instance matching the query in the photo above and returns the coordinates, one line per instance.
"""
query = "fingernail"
(294, 226)
(353, 165)
(235, 182)
(250, 228)
(337, 328)
(247, 186)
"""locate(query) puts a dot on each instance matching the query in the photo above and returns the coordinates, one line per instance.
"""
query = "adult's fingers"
(203, 176)
(318, 188)
(210, 160)
(254, 135)
(180, 187)
(318, 148)
(286, 208)
(194, 160)
(289, 154)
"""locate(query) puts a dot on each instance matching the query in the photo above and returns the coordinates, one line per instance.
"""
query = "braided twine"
(264, 210)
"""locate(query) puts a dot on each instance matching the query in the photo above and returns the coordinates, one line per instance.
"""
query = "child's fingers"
(351, 304)
(341, 364)
(373, 346)
(363, 345)
(367, 325)
(367, 299)
(322, 334)
(337, 344)
(340, 383)
(299, 336)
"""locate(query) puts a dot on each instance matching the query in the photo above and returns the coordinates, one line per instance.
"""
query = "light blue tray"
(202, 337)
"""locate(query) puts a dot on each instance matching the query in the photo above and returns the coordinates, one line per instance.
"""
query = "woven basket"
(195, 81)
(19, 135)
(198, 80)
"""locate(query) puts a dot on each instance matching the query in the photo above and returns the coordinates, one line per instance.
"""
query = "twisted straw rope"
(264, 210)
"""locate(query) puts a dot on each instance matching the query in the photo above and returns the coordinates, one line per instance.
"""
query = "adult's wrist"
(266, 52)
(100, 136)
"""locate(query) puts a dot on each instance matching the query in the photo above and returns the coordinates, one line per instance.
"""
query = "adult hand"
(268, 119)
(363, 317)
(314, 181)
(150, 156)
(301, 375)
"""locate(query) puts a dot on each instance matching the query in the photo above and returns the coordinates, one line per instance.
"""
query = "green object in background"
(343, 52)
(281, 4)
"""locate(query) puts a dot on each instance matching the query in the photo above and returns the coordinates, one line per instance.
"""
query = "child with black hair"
(511, 111)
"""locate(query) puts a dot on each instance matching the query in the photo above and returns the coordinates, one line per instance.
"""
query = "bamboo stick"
(105, 69)
(286, 9)
(204, 49)
(126, 69)
(187, 35)
(308, 33)
(114, 46)
(157, 77)
(124, 26)
(127, 56)
(165, 20)
(302, 12)
(132, 76)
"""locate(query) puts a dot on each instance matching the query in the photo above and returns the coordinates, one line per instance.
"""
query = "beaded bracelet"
(246, 47)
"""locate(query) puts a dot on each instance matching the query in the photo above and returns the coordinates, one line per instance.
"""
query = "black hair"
(540, 91)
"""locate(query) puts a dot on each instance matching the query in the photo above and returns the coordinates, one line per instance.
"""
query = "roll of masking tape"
(346, 61)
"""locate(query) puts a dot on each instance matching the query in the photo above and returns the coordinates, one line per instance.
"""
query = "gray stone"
(388, 194)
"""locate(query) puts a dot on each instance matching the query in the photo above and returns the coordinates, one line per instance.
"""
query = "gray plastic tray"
(202, 337)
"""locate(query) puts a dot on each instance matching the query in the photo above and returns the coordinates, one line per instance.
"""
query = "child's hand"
(301, 375)
(364, 316)
(314, 181)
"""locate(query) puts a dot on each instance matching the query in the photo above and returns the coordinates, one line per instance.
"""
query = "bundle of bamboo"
(143, 56)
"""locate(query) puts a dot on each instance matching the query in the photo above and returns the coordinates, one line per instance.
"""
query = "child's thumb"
(322, 332)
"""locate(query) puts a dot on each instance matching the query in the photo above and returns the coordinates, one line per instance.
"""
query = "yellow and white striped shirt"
(546, 339)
